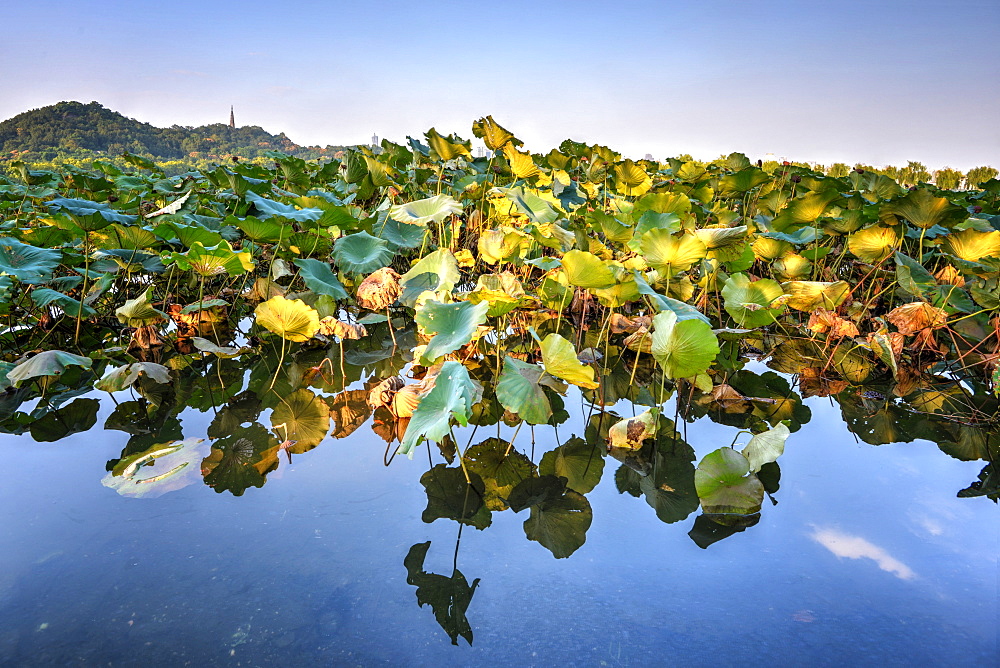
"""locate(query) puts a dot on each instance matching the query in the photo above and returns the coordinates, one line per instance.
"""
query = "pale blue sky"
(875, 82)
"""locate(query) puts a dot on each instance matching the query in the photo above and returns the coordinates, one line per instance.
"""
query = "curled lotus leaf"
(423, 211)
(380, 290)
(916, 316)
(560, 360)
(290, 319)
(494, 135)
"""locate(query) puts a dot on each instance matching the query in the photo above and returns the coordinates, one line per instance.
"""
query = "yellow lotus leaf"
(791, 267)
(290, 319)
(873, 244)
(811, 295)
(973, 245)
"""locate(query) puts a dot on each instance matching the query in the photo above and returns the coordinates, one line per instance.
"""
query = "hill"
(69, 127)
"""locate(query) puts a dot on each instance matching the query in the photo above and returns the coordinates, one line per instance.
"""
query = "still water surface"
(868, 558)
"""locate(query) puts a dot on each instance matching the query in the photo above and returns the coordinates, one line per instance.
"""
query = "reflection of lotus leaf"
(171, 466)
(500, 470)
(450, 497)
(302, 417)
(449, 598)
(581, 463)
(234, 463)
(560, 525)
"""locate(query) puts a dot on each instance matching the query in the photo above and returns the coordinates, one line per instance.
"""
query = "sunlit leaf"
(290, 319)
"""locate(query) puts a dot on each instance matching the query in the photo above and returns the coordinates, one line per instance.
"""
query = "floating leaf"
(766, 447)
(302, 417)
(725, 484)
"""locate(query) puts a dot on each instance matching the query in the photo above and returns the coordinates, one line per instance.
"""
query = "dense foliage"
(436, 294)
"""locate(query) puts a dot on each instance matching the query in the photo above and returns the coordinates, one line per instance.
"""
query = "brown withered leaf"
(349, 411)
(925, 341)
(827, 322)
(949, 275)
(730, 399)
(621, 324)
(380, 290)
(915, 316)
(263, 289)
(330, 326)
(640, 340)
(382, 394)
(813, 384)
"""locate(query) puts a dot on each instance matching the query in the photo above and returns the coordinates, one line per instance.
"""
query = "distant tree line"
(67, 129)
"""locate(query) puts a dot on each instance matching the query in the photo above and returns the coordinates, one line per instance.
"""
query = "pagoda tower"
(232, 118)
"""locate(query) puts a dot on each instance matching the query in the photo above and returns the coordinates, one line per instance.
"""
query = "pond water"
(863, 555)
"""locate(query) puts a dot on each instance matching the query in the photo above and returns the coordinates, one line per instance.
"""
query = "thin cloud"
(855, 547)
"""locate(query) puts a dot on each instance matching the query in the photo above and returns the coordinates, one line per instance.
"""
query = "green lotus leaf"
(742, 181)
(618, 295)
(586, 270)
(89, 216)
(453, 326)
(560, 525)
(70, 306)
(319, 278)
(302, 417)
(123, 377)
(811, 295)
(240, 460)
(188, 235)
(290, 319)
(27, 264)
(452, 396)
(128, 238)
(766, 447)
(209, 262)
(873, 244)
(519, 390)
(531, 205)
(560, 360)
(437, 272)
(493, 134)
(422, 211)
(361, 253)
(139, 312)
(259, 231)
(683, 348)
(725, 484)
(922, 209)
(670, 255)
(520, 163)
(267, 208)
(47, 363)
(631, 179)
(723, 243)
(447, 148)
(749, 302)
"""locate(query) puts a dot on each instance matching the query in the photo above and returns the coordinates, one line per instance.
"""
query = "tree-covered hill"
(68, 127)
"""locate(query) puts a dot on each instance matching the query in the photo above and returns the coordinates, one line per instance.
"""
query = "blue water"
(867, 559)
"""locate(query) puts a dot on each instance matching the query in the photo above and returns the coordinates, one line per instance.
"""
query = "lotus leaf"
(361, 253)
(873, 244)
(922, 209)
(586, 270)
(46, 363)
(27, 264)
(560, 360)
(319, 278)
(631, 432)
(453, 326)
(452, 396)
(302, 417)
(725, 484)
(683, 348)
(749, 302)
(290, 319)
(520, 391)
(670, 255)
(560, 525)
(423, 211)
(811, 295)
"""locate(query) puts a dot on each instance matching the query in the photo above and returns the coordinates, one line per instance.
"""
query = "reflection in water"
(855, 547)
(449, 597)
